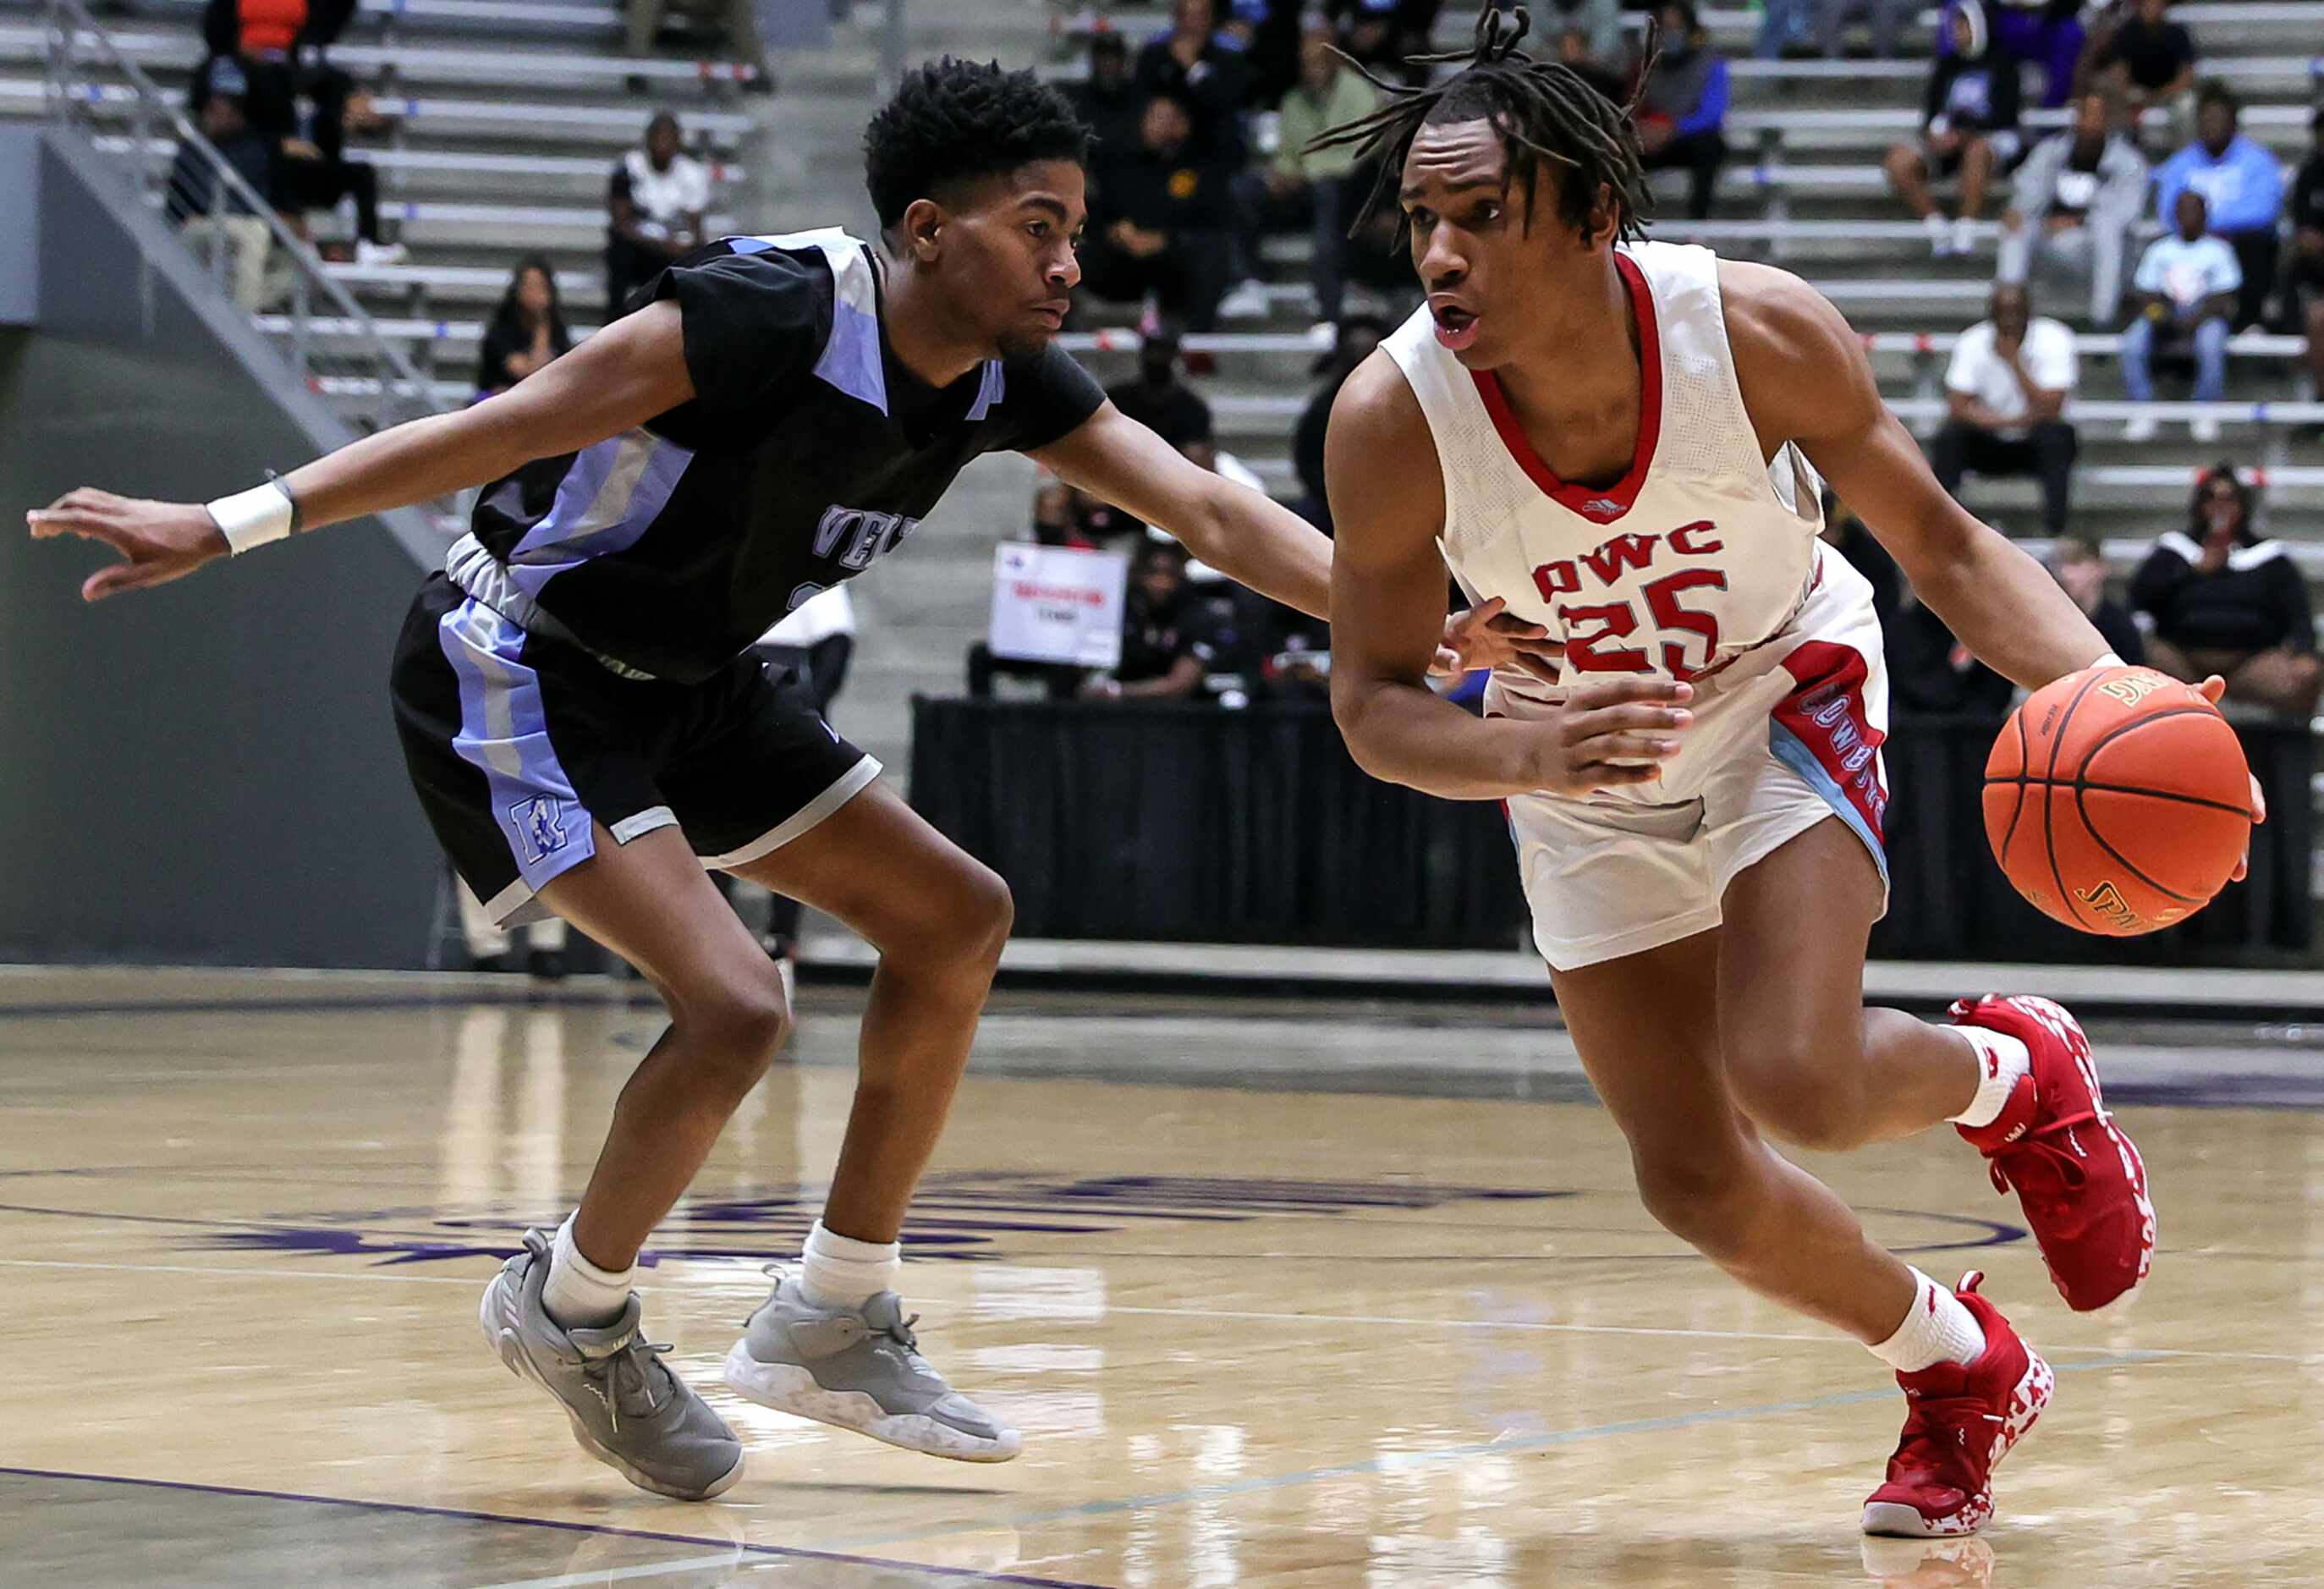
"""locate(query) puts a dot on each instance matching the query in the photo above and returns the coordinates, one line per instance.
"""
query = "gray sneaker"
(627, 1409)
(859, 1369)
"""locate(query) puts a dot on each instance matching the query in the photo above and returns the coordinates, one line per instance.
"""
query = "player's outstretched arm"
(1387, 604)
(1252, 539)
(622, 376)
(1233, 529)
(1805, 378)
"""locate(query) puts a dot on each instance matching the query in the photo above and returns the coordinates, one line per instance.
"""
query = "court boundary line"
(463, 1514)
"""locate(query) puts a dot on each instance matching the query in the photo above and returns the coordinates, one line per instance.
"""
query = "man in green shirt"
(1294, 188)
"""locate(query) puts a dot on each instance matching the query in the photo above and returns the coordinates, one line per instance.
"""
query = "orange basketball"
(2117, 800)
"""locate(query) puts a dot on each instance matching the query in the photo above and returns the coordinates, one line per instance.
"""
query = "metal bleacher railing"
(76, 49)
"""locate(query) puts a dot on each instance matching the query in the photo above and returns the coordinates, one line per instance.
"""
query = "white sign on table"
(1058, 604)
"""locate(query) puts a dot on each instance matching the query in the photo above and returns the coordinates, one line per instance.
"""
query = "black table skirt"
(1171, 822)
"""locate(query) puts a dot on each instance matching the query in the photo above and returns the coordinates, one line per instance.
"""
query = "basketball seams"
(2082, 810)
(2025, 756)
(2119, 729)
(2049, 803)
(2130, 789)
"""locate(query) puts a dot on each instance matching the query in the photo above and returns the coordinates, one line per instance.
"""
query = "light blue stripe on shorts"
(504, 733)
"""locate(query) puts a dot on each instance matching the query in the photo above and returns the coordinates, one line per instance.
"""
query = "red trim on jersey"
(1602, 507)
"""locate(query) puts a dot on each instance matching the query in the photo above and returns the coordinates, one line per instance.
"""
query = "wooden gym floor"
(1280, 1295)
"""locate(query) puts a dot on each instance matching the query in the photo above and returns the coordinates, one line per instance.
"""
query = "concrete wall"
(206, 771)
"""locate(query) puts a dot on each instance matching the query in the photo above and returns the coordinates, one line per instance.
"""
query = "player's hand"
(1485, 636)
(158, 541)
(2212, 688)
(1611, 732)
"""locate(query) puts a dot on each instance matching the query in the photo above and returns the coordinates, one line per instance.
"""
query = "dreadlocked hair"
(1544, 110)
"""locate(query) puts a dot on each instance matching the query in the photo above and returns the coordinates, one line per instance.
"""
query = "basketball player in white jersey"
(1622, 439)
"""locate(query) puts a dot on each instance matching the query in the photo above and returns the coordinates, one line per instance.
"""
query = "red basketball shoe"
(1963, 1420)
(2077, 1176)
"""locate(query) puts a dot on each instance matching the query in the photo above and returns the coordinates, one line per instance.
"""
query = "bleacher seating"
(505, 115)
(1805, 191)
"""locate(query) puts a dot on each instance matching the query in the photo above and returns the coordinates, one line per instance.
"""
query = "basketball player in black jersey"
(588, 731)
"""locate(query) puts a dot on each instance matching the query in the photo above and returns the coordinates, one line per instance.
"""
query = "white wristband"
(253, 517)
(2110, 660)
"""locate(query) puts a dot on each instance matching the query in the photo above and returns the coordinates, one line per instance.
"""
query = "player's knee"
(1704, 1197)
(1795, 1093)
(737, 1028)
(975, 915)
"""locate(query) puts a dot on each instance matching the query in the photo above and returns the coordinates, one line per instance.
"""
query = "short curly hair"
(952, 122)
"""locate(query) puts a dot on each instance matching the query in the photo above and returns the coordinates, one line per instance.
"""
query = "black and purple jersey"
(807, 452)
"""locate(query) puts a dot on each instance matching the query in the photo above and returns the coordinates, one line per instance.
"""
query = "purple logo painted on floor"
(967, 1216)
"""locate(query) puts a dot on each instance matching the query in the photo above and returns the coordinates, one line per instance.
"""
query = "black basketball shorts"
(516, 741)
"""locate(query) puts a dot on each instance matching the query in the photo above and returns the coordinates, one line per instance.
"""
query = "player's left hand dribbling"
(158, 541)
(2212, 690)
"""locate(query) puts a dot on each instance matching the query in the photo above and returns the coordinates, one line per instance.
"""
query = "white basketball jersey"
(1701, 552)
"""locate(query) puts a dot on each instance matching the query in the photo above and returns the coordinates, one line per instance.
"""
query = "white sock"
(579, 1294)
(840, 1271)
(1936, 1329)
(2001, 1059)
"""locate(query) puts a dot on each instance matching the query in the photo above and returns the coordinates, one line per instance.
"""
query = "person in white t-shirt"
(2006, 390)
(654, 207)
(2186, 287)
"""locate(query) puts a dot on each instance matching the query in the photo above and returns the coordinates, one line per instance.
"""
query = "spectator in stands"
(1588, 29)
(2186, 285)
(1108, 100)
(527, 331)
(2242, 185)
(2303, 282)
(1158, 398)
(1929, 671)
(212, 216)
(2148, 59)
(1056, 522)
(1969, 117)
(1786, 30)
(275, 41)
(1053, 518)
(655, 205)
(2222, 601)
(1605, 75)
(1357, 336)
(2078, 195)
(2080, 569)
(1164, 655)
(740, 19)
(2006, 395)
(1888, 18)
(273, 30)
(1682, 108)
(1160, 222)
(1385, 35)
(312, 170)
(1201, 69)
(2046, 34)
(1317, 191)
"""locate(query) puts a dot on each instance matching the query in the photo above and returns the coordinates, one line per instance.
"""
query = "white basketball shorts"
(1785, 736)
